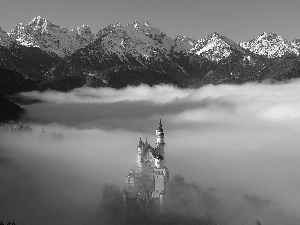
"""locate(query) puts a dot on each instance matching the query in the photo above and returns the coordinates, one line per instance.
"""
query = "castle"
(147, 186)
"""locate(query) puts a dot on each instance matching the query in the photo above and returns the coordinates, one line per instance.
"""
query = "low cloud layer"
(243, 140)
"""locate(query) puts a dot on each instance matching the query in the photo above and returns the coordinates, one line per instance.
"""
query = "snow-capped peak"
(216, 47)
(41, 33)
(144, 30)
(38, 21)
(136, 40)
(270, 45)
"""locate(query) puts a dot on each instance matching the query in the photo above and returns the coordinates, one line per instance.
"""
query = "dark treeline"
(12, 82)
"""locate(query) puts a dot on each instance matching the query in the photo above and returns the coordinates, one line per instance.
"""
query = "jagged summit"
(270, 45)
(42, 33)
(136, 38)
(136, 52)
(39, 23)
(216, 47)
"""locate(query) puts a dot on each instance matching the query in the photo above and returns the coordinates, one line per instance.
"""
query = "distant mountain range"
(134, 53)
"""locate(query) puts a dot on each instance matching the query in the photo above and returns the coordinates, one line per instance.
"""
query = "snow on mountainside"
(216, 47)
(183, 44)
(145, 36)
(41, 33)
(271, 45)
(5, 39)
(135, 53)
(132, 52)
(138, 43)
(296, 42)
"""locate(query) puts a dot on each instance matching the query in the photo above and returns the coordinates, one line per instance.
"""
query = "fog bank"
(241, 139)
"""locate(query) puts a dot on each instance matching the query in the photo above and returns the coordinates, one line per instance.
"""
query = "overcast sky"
(240, 20)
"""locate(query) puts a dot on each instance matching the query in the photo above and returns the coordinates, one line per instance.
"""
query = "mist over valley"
(242, 140)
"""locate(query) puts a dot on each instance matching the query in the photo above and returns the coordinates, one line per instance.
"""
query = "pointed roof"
(160, 129)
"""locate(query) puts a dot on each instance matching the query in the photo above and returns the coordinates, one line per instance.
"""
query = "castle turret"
(160, 134)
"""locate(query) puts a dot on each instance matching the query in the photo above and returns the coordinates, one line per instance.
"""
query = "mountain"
(43, 34)
(216, 47)
(271, 45)
(134, 53)
(133, 49)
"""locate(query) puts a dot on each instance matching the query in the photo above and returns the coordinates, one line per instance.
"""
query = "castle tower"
(149, 184)
(160, 135)
(139, 155)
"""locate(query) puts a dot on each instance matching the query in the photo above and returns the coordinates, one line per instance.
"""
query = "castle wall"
(132, 185)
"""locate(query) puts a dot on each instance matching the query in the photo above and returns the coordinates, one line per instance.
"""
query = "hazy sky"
(240, 20)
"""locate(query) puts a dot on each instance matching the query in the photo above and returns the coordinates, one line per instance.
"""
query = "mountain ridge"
(136, 49)
(50, 37)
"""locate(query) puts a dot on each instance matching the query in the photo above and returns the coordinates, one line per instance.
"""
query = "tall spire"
(140, 141)
(160, 129)
(160, 134)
